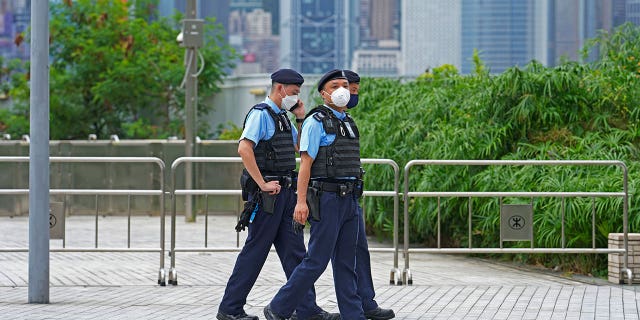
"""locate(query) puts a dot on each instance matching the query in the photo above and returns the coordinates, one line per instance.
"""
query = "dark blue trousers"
(363, 269)
(333, 238)
(265, 230)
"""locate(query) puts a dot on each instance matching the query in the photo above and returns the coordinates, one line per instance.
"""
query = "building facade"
(314, 35)
(15, 17)
(431, 35)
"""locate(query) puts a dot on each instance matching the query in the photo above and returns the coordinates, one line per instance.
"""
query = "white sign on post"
(516, 222)
(56, 220)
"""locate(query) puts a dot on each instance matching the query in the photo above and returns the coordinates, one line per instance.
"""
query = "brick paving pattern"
(92, 285)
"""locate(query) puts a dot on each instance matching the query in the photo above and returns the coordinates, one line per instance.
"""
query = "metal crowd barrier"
(97, 192)
(470, 250)
(173, 275)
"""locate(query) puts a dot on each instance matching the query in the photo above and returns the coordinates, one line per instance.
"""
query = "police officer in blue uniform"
(329, 186)
(363, 259)
(267, 147)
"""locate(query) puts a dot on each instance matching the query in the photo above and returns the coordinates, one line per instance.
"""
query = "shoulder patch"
(261, 106)
(319, 116)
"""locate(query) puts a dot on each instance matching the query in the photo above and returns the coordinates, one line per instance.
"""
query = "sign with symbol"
(56, 220)
(516, 222)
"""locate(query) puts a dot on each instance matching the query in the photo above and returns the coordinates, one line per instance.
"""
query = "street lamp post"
(192, 37)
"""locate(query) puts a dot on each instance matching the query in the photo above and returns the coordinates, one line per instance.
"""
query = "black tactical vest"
(276, 155)
(342, 157)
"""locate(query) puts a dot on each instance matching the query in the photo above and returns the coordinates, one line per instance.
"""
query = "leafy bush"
(571, 111)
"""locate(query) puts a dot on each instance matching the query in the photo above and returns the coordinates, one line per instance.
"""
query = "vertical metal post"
(190, 105)
(96, 235)
(206, 220)
(470, 231)
(563, 208)
(129, 221)
(39, 156)
(439, 224)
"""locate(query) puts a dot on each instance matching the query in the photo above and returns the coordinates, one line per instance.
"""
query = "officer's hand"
(301, 213)
(272, 187)
(299, 112)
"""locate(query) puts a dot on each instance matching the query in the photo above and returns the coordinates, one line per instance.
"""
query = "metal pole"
(39, 156)
(190, 105)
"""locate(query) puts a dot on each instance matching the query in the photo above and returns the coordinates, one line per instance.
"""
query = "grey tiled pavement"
(123, 285)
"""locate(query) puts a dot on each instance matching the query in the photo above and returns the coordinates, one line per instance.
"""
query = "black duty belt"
(341, 188)
(284, 181)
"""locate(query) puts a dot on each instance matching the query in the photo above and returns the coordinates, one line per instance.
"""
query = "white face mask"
(289, 101)
(340, 97)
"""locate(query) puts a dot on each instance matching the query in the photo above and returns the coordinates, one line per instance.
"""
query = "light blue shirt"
(260, 126)
(313, 135)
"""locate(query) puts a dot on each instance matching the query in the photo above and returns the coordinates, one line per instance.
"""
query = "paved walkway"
(93, 285)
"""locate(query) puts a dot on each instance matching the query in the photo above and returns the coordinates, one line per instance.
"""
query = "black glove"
(245, 215)
(297, 227)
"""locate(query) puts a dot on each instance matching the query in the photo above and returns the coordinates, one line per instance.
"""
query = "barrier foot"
(173, 277)
(394, 277)
(162, 277)
(629, 273)
(407, 277)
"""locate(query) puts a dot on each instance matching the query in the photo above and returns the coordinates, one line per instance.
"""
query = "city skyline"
(386, 37)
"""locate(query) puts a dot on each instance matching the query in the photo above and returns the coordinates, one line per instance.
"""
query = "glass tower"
(314, 37)
(501, 30)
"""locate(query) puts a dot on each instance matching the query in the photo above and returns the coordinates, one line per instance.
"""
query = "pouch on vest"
(268, 202)
(247, 184)
(313, 203)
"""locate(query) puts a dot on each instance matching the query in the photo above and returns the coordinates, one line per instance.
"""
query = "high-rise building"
(314, 34)
(382, 19)
(501, 30)
(15, 17)
(571, 23)
(633, 11)
(430, 35)
(218, 9)
(258, 23)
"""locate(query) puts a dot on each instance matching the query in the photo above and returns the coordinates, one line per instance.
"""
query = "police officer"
(329, 180)
(363, 260)
(267, 147)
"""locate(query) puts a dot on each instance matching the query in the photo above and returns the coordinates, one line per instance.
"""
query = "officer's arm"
(302, 210)
(245, 150)
(299, 113)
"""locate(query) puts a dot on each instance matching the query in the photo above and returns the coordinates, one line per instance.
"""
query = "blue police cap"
(352, 77)
(331, 75)
(287, 76)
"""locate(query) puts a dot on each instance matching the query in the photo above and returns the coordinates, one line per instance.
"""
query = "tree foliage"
(117, 69)
(572, 111)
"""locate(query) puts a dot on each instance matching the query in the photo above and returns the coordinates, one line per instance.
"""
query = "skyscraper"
(501, 30)
(14, 20)
(633, 11)
(314, 36)
(430, 35)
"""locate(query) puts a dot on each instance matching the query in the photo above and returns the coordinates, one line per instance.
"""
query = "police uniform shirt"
(313, 135)
(260, 126)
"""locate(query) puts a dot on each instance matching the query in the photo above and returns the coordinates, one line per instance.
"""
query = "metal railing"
(173, 276)
(395, 275)
(438, 194)
(129, 192)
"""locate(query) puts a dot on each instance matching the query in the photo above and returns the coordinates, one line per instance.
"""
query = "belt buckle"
(287, 182)
(344, 189)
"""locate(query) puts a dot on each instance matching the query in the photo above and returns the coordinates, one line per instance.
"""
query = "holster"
(245, 215)
(248, 185)
(313, 203)
(359, 189)
(268, 202)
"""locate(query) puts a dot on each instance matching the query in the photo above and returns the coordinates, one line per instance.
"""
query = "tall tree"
(117, 69)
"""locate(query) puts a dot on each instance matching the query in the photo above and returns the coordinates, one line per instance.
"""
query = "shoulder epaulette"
(319, 116)
(261, 106)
